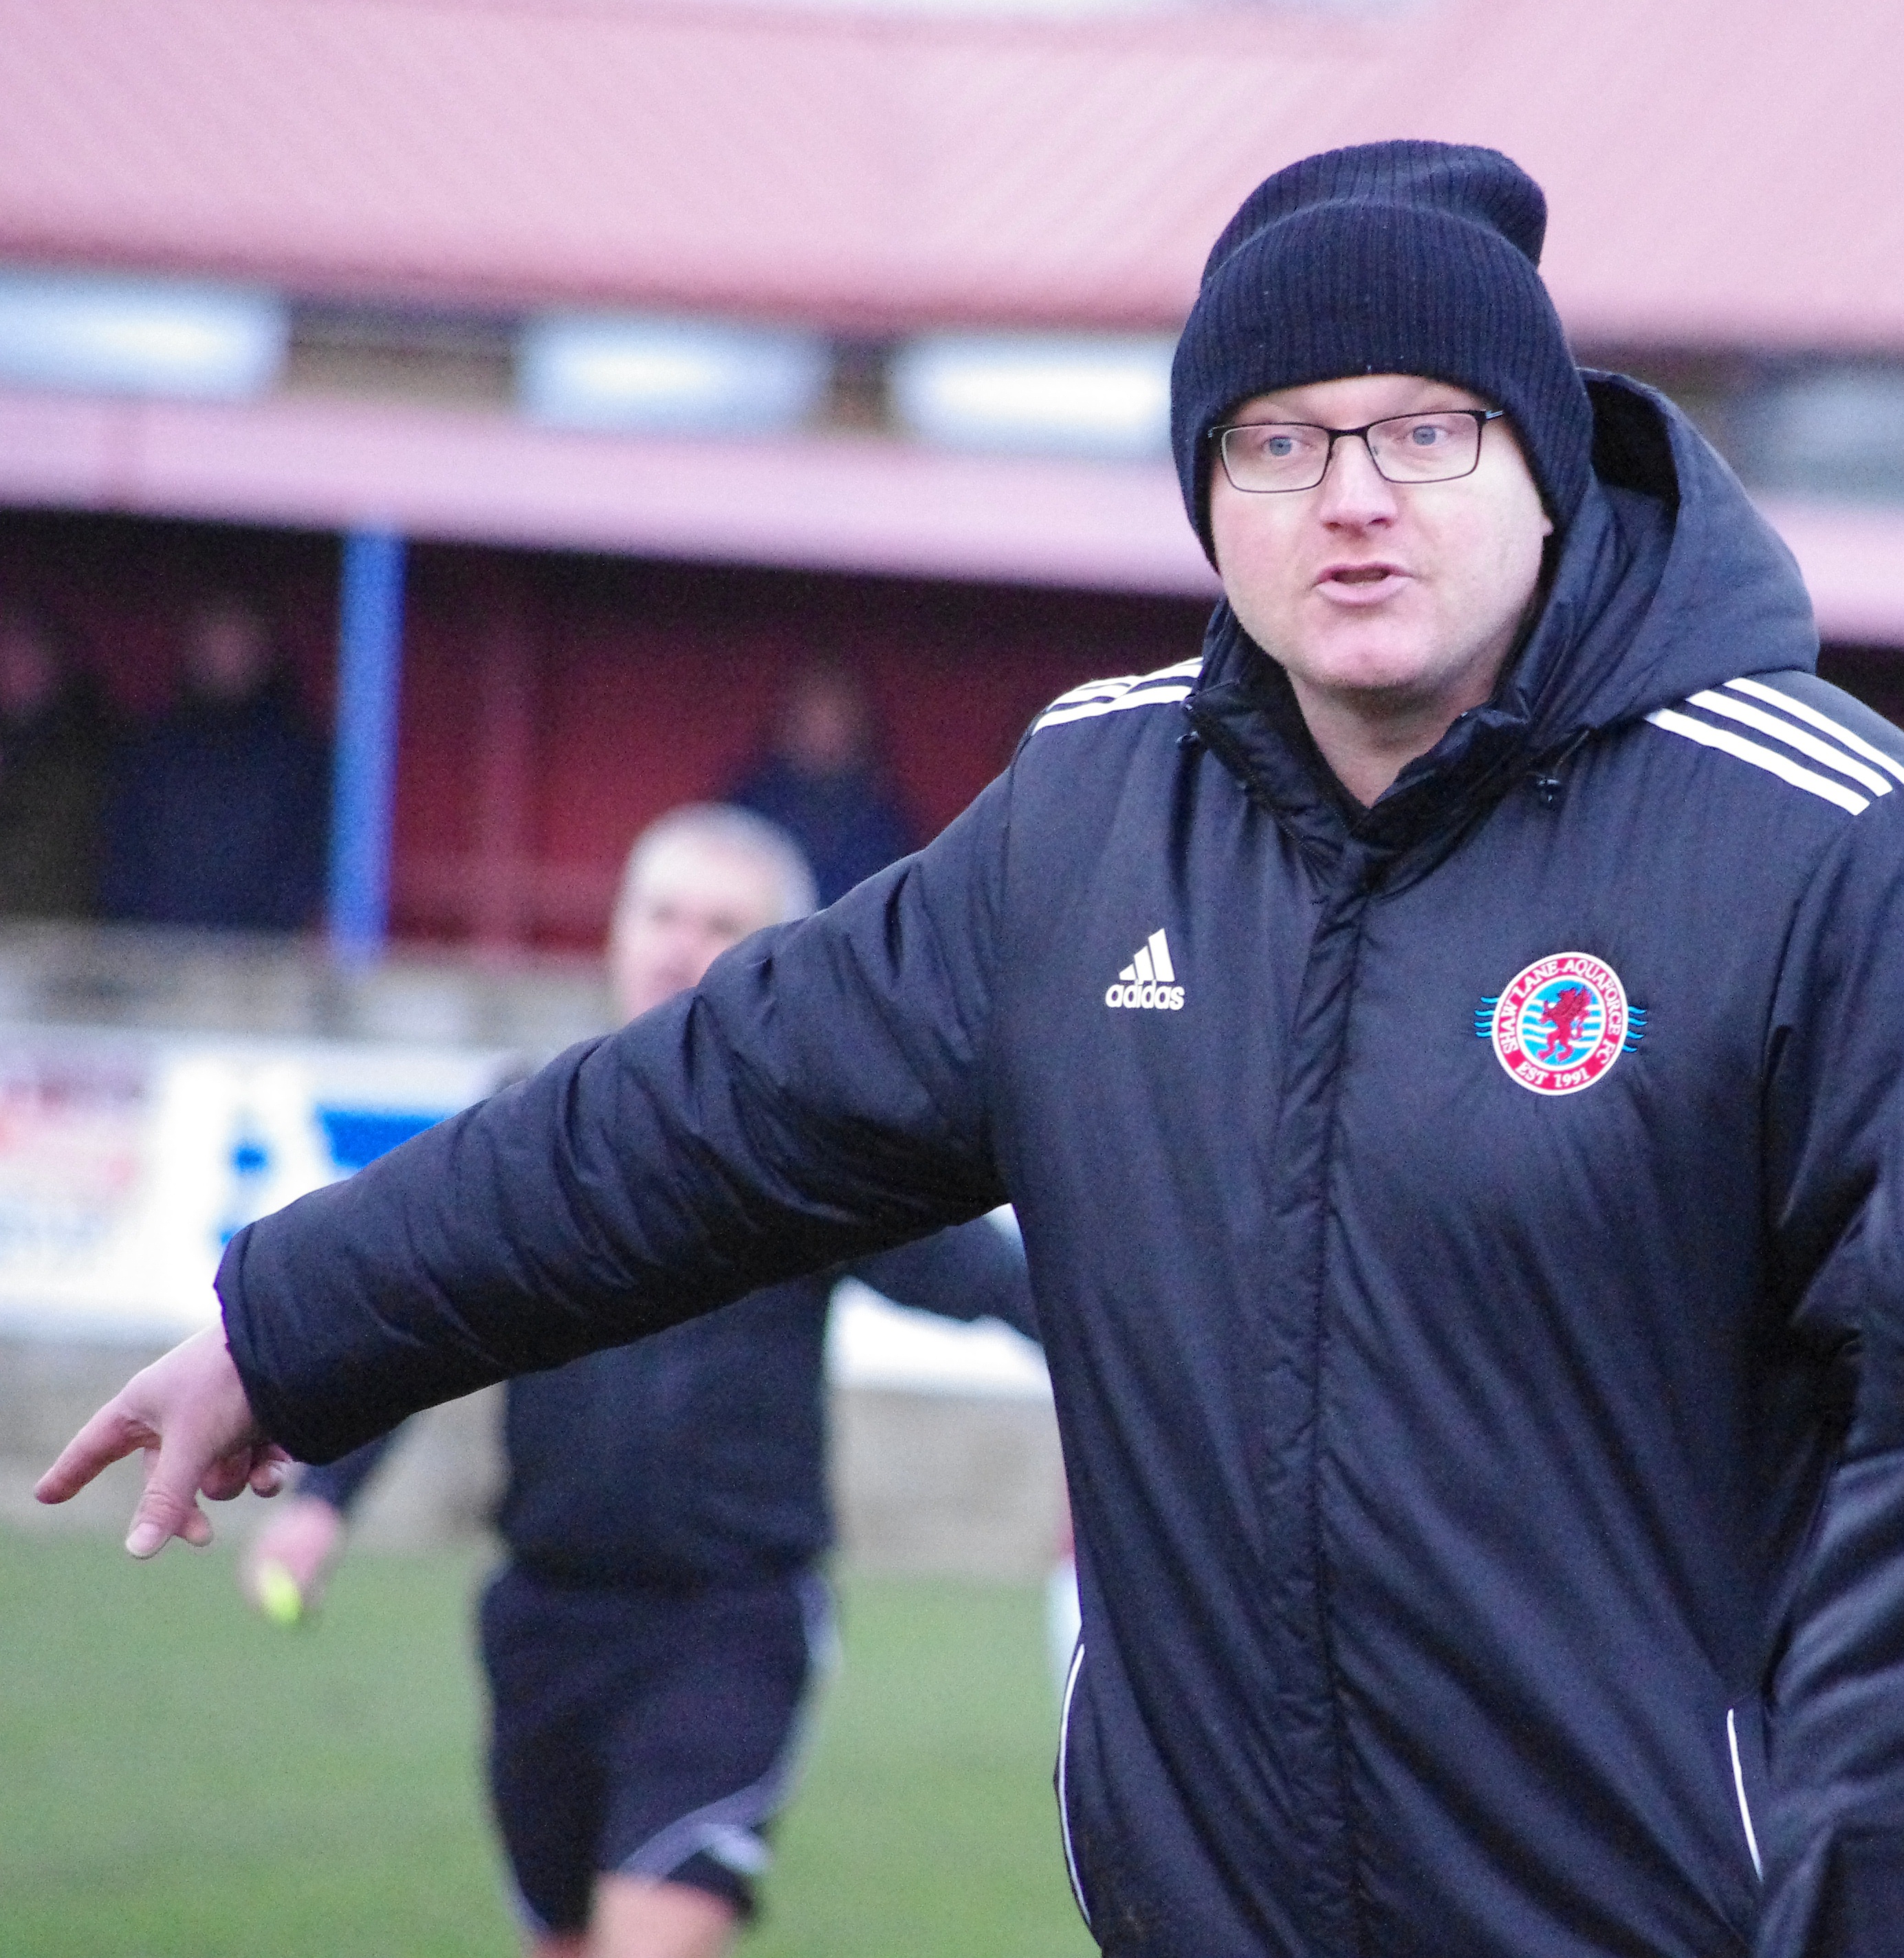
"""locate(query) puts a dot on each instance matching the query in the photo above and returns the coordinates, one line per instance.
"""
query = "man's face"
(1378, 596)
(693, 900)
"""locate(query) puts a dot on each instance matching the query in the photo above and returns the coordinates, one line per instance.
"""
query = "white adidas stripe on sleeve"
(1804, 710)
(1781, 729)
(1769, 760)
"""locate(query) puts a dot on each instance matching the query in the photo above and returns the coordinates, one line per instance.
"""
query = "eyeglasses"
(1264, 457)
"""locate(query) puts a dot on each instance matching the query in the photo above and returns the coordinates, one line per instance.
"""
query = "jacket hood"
(1667, 580)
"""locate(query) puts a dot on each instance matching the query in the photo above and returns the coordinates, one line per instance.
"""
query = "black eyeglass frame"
(1479, 416)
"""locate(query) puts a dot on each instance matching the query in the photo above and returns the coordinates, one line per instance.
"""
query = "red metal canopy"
(1719, 176)
(1720, 171)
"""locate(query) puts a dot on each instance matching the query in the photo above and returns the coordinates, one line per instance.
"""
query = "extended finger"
(110, 1435)
(168, 1506)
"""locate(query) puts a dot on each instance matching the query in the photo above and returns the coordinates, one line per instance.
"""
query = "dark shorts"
(642, 1732)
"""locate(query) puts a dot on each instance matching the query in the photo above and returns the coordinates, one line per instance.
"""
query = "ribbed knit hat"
(1405, 258)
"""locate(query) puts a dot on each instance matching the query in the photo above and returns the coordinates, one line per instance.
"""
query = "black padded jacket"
(1446, 1223)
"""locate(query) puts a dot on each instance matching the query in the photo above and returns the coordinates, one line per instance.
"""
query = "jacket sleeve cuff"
(254, 1371)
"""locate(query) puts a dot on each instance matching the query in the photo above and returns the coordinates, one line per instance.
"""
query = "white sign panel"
(128, 1160)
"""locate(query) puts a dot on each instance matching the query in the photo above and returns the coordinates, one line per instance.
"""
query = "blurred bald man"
(661, 1618)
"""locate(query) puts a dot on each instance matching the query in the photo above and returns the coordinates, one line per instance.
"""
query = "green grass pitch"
(183, 1781)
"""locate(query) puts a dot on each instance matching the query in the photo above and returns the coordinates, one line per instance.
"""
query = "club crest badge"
(1561, 1023)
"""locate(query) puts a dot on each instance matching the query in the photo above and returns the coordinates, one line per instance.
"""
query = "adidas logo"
(1149, 980)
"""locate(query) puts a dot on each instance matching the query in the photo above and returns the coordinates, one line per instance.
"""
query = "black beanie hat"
(1405, 258)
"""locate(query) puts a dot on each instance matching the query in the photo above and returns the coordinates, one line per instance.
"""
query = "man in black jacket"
(1438, 1046)
(652, 1640)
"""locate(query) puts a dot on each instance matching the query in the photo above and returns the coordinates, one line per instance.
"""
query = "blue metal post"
(370, 631)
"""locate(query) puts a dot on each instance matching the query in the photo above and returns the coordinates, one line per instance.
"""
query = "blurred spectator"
(821, 781)
(56, 746)
(218, 817)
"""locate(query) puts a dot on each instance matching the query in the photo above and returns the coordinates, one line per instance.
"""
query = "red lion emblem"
(1558, 1023)
(1562, 1015)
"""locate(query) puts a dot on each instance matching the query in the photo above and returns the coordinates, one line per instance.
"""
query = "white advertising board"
(128, 1159)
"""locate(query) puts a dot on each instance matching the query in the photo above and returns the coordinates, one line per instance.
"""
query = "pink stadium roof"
(1721, 171)
(839, 502)
(842, 503)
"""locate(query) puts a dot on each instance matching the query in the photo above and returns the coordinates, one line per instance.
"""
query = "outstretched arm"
(822, 1094)
(187, 1415)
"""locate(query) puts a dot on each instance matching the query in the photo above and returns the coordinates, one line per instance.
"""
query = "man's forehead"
(700, 868)
(1378, 393)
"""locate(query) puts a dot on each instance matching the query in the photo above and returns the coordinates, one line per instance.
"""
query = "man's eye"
(1278, 446)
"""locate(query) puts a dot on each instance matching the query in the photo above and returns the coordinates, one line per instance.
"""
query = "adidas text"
(1169, 999)
(1149, 980)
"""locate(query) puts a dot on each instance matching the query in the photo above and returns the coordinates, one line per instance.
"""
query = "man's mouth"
(1360, 586)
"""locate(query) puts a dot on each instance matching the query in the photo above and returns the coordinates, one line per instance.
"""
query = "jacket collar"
(1245, 712)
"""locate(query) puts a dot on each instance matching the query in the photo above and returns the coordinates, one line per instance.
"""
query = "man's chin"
(1383, 666)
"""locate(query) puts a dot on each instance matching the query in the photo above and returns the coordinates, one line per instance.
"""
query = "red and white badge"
(1561, 1023)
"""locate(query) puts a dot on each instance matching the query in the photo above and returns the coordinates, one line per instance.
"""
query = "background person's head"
(33, 671)
(825, 724)
(229, 655)
(699, 880)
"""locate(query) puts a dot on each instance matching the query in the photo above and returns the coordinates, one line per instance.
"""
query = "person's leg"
(546, 1784)
(636, 1917)
(699, 1763)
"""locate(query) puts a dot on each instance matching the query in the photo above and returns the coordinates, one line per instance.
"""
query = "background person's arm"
(973, 1271)
(286, 1565)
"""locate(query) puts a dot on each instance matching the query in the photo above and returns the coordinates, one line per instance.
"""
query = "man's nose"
(1354, 491)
